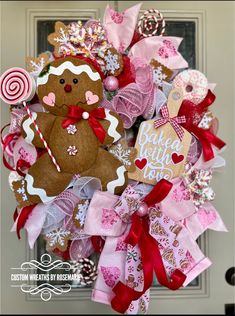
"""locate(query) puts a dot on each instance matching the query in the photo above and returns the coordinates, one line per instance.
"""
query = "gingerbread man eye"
(75, 81)
(62, 81)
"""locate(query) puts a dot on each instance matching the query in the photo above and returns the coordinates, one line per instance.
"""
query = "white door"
(209, 35)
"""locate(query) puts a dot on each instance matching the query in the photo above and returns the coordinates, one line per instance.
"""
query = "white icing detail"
(77, 70)
(36, 191)
(113, 125)
(28, 130)
(119, 181)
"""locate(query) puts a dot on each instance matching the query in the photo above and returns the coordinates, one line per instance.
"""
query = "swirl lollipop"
(148, 23)
(16, 86)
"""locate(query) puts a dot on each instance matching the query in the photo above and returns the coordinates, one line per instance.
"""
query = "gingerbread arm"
(113, 126)
(44, 121)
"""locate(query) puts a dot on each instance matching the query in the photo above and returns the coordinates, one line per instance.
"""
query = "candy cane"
(150, 23)
(42, 138)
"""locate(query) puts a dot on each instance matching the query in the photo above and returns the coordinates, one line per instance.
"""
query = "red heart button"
(140, 163)
(177, 158)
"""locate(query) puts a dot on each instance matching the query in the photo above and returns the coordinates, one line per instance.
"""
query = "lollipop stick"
(42, 138)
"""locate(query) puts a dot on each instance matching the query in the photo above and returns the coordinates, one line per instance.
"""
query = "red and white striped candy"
(42, 138)
(16, 86)
(148, 23)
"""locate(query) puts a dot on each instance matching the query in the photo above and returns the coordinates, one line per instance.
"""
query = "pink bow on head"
(162, 48)
(120, 27)
(174, 121)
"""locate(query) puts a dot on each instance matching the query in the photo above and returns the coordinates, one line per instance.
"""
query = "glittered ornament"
(111, 83)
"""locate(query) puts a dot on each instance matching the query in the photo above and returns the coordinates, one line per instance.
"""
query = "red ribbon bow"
(206, 137)
(150, 254)
(76, 113)
(174, 121)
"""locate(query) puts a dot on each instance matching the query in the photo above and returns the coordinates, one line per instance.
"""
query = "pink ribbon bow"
(174, 121)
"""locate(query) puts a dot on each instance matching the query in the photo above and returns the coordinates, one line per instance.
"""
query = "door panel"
(211, 52)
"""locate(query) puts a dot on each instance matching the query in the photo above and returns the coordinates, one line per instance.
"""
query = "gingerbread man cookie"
(75, 128)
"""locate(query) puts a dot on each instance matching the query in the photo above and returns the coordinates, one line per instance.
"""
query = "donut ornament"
(193, 84)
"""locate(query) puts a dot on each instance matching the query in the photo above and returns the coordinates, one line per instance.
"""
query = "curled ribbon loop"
(174, 121)
(21, 163)
(150, 255)
(75, 114)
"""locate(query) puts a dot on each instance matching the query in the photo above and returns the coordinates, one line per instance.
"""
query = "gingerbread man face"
(69, 81)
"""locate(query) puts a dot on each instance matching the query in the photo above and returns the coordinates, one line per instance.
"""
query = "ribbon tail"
(97, 128)
(209, 99)
(22, 218)
(124, 295)
(152, 261)
(34, 223)
(135, 230)
(15, 214)
(177, 278)
(158, 193)
(207, 139)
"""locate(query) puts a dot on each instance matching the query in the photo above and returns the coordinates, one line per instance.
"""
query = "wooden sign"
(161, 153)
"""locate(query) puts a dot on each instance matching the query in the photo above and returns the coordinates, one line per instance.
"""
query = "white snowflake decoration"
(22, 191)
(111, 62)
(71, 129)
(121, 154)
(63, 37)
(72, 150)
(81, 212)
(159, 76)
(57, 236)
(37, 67)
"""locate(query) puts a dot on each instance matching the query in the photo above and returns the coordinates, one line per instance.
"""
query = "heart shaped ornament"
(161, 154)
(177, 158)
(140, 163)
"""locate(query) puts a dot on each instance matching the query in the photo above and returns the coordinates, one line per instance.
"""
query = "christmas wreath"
(111, 148)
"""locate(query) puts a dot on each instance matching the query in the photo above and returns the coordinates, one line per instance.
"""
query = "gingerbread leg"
(42, 183)
(110, 171)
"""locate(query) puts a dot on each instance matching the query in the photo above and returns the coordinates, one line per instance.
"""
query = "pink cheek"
(49, 99)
